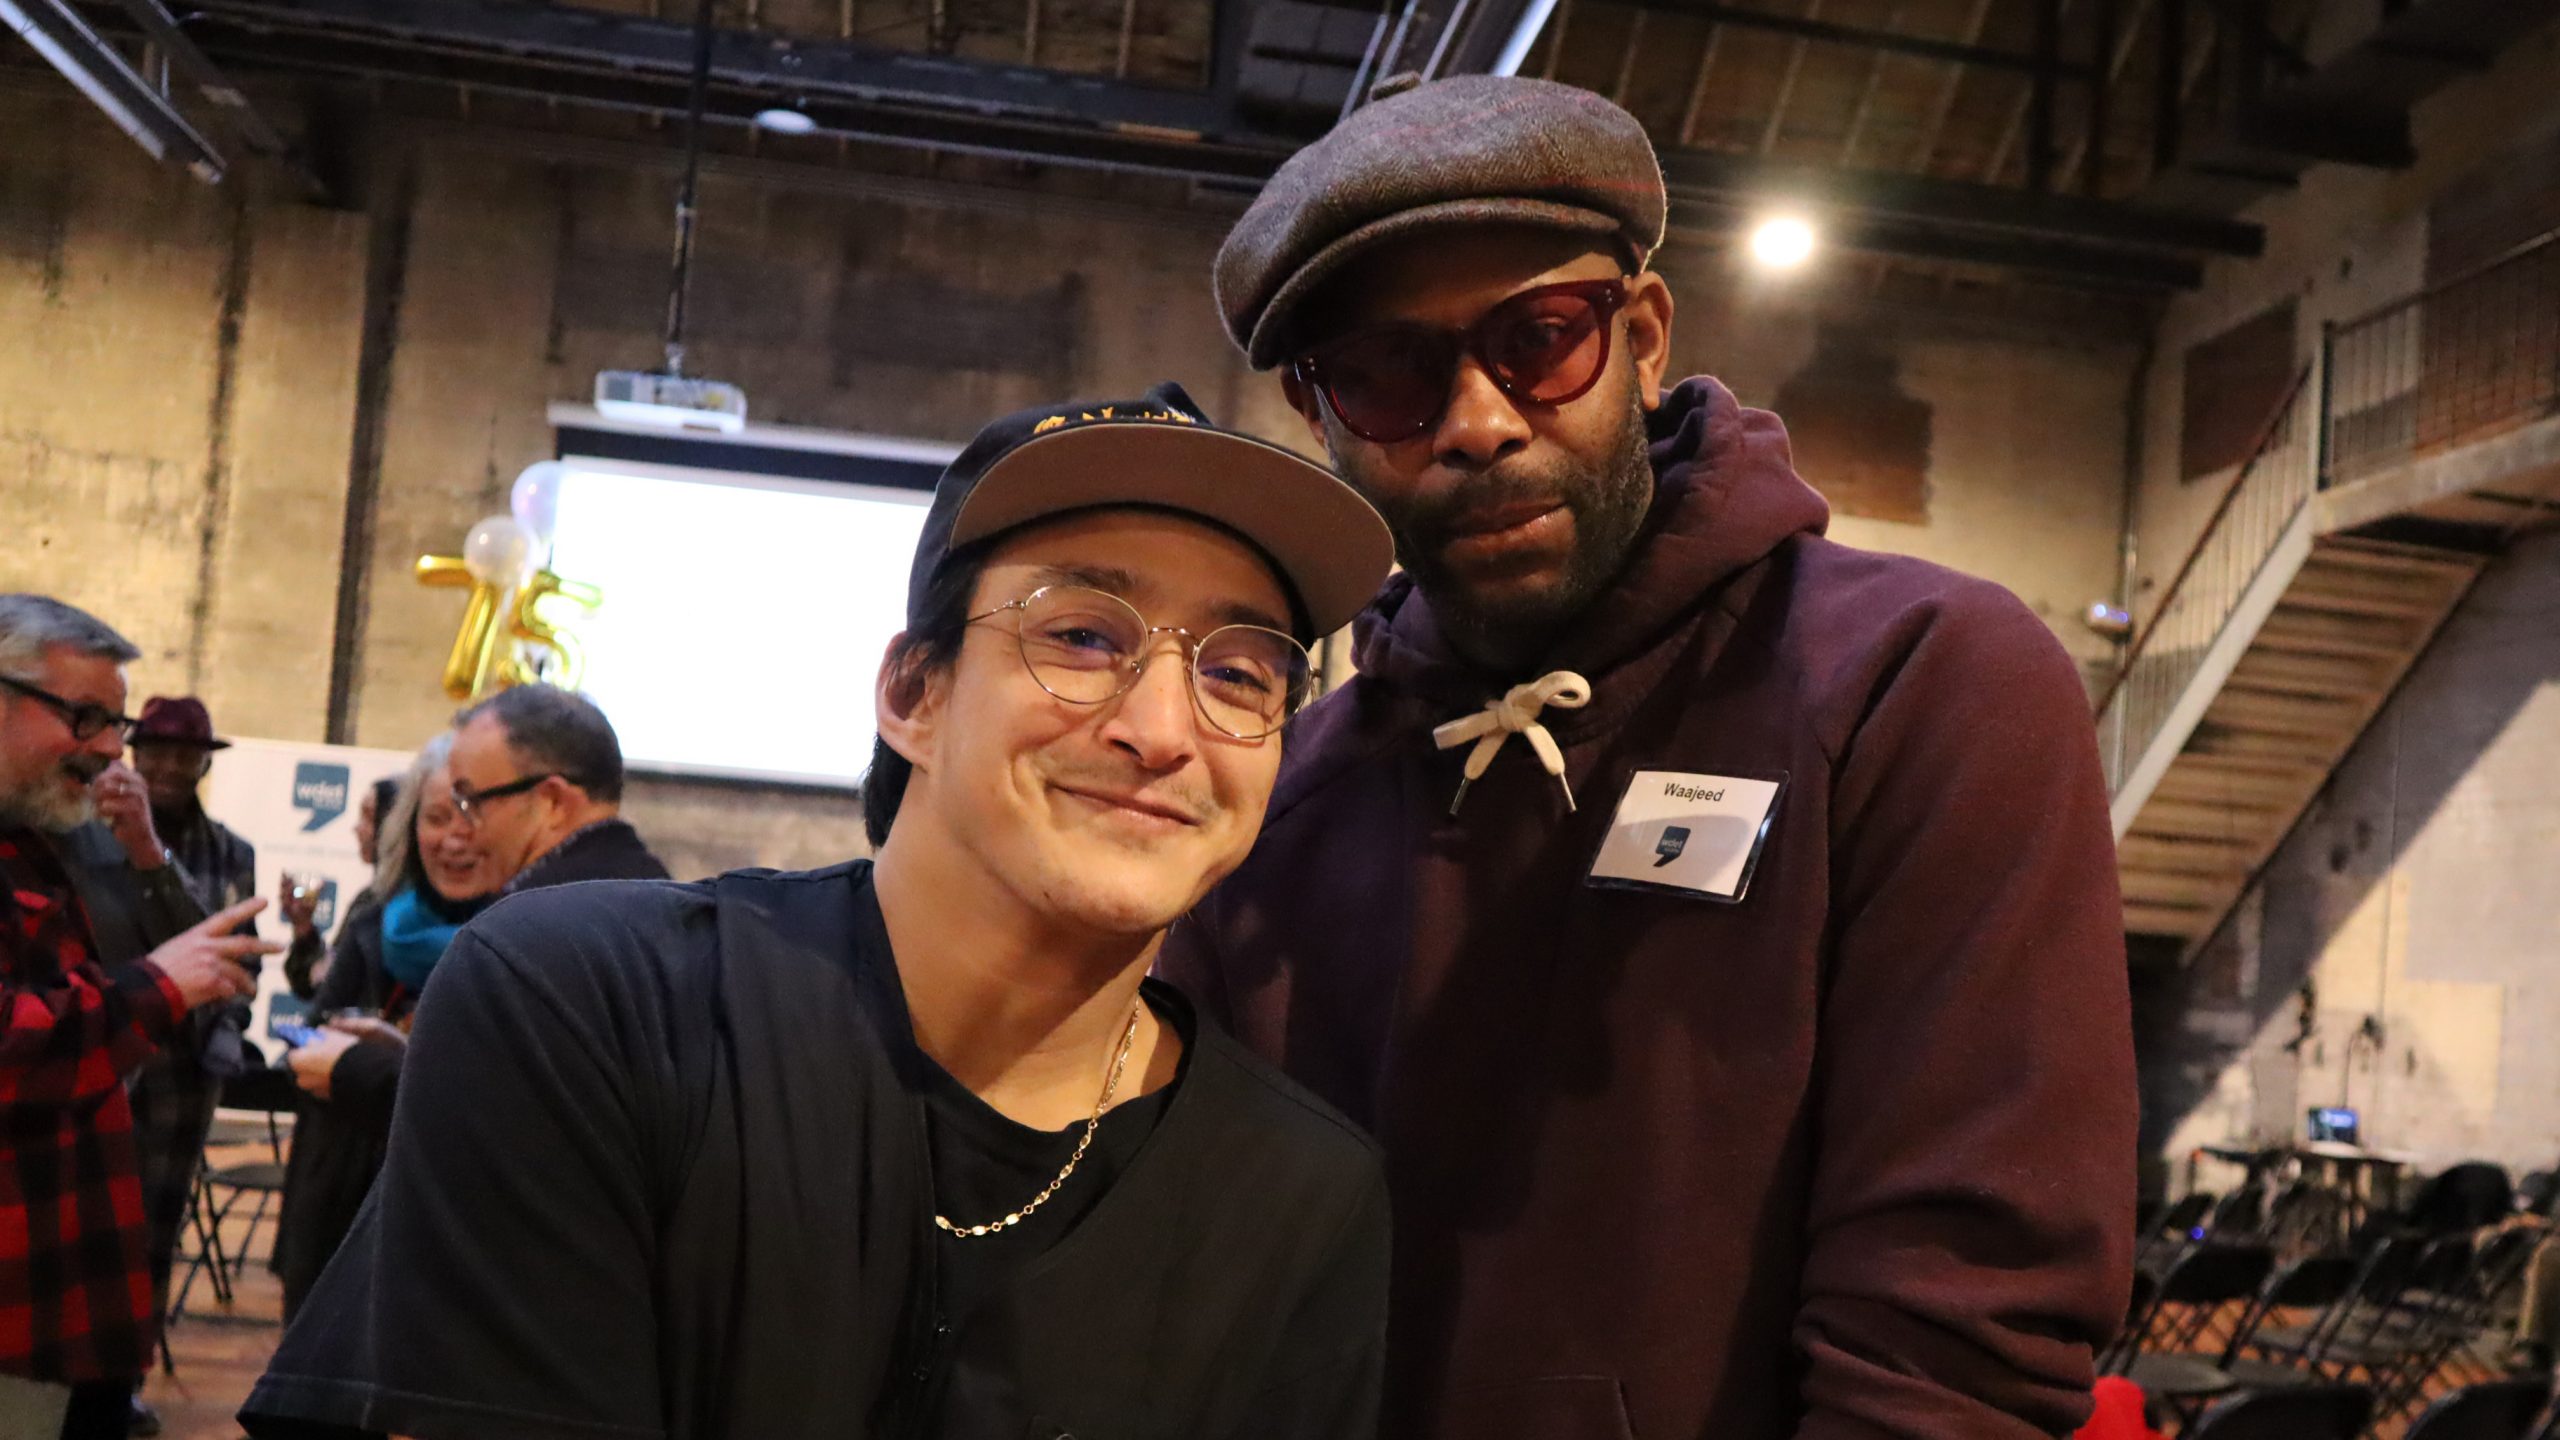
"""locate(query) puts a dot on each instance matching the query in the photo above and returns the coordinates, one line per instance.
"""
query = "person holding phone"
(432, 878)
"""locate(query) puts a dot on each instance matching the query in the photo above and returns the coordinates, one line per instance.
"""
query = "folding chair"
(2495, 1410)
(2347, 1325)
(2176, 1227)
(219, 1192)
(2318, 1284)
(2156, 1352)
(2239, 1215)
(2445, 1319)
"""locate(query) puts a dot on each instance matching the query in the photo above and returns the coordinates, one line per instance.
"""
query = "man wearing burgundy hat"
(176, 1090)
(173, 752)
(1716, 925)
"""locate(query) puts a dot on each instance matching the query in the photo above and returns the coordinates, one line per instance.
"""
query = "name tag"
(1699, 835)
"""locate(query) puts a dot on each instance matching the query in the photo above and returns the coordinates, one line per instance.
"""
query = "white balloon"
(498, 552)
(536, 500)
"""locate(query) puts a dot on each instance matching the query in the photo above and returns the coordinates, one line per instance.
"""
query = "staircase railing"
(2281, 473)
(2464, 358)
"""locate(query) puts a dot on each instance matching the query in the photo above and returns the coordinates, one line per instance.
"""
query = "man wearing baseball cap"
(911, 1146)
(1716, 925)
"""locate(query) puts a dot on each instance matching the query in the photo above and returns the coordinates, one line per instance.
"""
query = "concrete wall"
(214, 393)
(2030, 432)
(2416, 894)
(174, 410)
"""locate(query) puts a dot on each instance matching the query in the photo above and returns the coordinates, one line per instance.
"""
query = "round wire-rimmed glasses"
(1088, 646)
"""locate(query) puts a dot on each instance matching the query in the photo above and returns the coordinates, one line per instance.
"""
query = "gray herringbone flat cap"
(1471, 149)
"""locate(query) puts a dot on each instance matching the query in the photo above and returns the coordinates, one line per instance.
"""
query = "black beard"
(1608, 505)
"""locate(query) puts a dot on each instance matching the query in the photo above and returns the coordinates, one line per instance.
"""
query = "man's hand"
(313, 1063)
(372, 1031)
(209, 964)
(298, 910)
(124, 803)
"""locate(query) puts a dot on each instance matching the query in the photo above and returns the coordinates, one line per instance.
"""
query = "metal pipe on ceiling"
(98, 71)
(618, 64)
(1808, 27)
(680, 278)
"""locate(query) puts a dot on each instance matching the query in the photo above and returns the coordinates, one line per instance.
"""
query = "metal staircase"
(2404, 459)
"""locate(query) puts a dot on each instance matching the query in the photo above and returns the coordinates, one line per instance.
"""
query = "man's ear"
(1648, 315)
(906, 702)
(1302, 398)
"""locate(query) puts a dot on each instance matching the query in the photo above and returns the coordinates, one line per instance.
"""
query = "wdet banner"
(297, 803)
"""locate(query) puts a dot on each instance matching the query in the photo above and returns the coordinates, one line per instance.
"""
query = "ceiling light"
(785, 122)
(1782, 242)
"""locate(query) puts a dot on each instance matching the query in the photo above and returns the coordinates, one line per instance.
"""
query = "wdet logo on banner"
(320, 791)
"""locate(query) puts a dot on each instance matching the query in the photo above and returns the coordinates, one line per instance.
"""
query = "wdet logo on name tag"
(1700, 835)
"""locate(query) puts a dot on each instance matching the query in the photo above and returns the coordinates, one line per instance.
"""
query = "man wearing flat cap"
(1717, 925)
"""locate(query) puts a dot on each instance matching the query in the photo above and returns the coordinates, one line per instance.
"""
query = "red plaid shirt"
(75, 1270)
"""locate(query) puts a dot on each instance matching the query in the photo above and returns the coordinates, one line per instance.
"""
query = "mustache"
(86, 768)
(1494, 488)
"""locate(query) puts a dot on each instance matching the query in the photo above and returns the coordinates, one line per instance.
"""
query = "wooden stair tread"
(2183, 923)
(2387, 557)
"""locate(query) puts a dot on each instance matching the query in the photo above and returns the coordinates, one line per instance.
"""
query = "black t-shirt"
(663, 1169)
(986, 1165)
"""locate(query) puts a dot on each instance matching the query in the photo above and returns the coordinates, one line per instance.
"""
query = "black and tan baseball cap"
(1467, 150)
(1161, 452)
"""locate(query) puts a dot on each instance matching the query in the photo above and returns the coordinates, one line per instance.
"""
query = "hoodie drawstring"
(1515, 714)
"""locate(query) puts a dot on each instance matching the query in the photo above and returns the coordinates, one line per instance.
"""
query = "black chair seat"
(256, 1175)
(2302, 1412)
(2270, 1374)
(270, 1090)
(227, 1132)
(2179, 1376)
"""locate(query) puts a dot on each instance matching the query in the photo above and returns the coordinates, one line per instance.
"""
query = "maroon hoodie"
(1852, 1157)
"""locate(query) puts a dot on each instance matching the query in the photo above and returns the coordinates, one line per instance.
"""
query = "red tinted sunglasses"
(1545, 346)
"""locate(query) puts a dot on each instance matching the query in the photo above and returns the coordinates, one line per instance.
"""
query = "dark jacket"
(338, 1142)
(606, 850)
(131, 912)
(1852, 1157)
(173, 1093)
(661, 1170)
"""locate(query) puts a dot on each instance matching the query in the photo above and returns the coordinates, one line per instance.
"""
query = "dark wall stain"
(35, 207)
(2234, 384)
(232, 303)
(908, 318)
(1858, 438)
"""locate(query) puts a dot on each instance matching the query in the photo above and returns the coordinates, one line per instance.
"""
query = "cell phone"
(295, 1036)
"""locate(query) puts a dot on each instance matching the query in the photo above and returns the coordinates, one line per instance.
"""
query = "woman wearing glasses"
(911, 1147)
(430, 879)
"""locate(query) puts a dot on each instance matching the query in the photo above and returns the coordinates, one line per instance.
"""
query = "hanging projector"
(675, 401)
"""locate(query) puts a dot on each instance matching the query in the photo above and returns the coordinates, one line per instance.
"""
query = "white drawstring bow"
(1515, 714)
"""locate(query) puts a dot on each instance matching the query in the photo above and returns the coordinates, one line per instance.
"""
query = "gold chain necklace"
(1128, 1035)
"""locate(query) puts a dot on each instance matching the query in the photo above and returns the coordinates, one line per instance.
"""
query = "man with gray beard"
(1750, 1045)
(77, 1319)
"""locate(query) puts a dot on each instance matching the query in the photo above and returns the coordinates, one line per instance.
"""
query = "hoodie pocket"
(1555, 1407)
